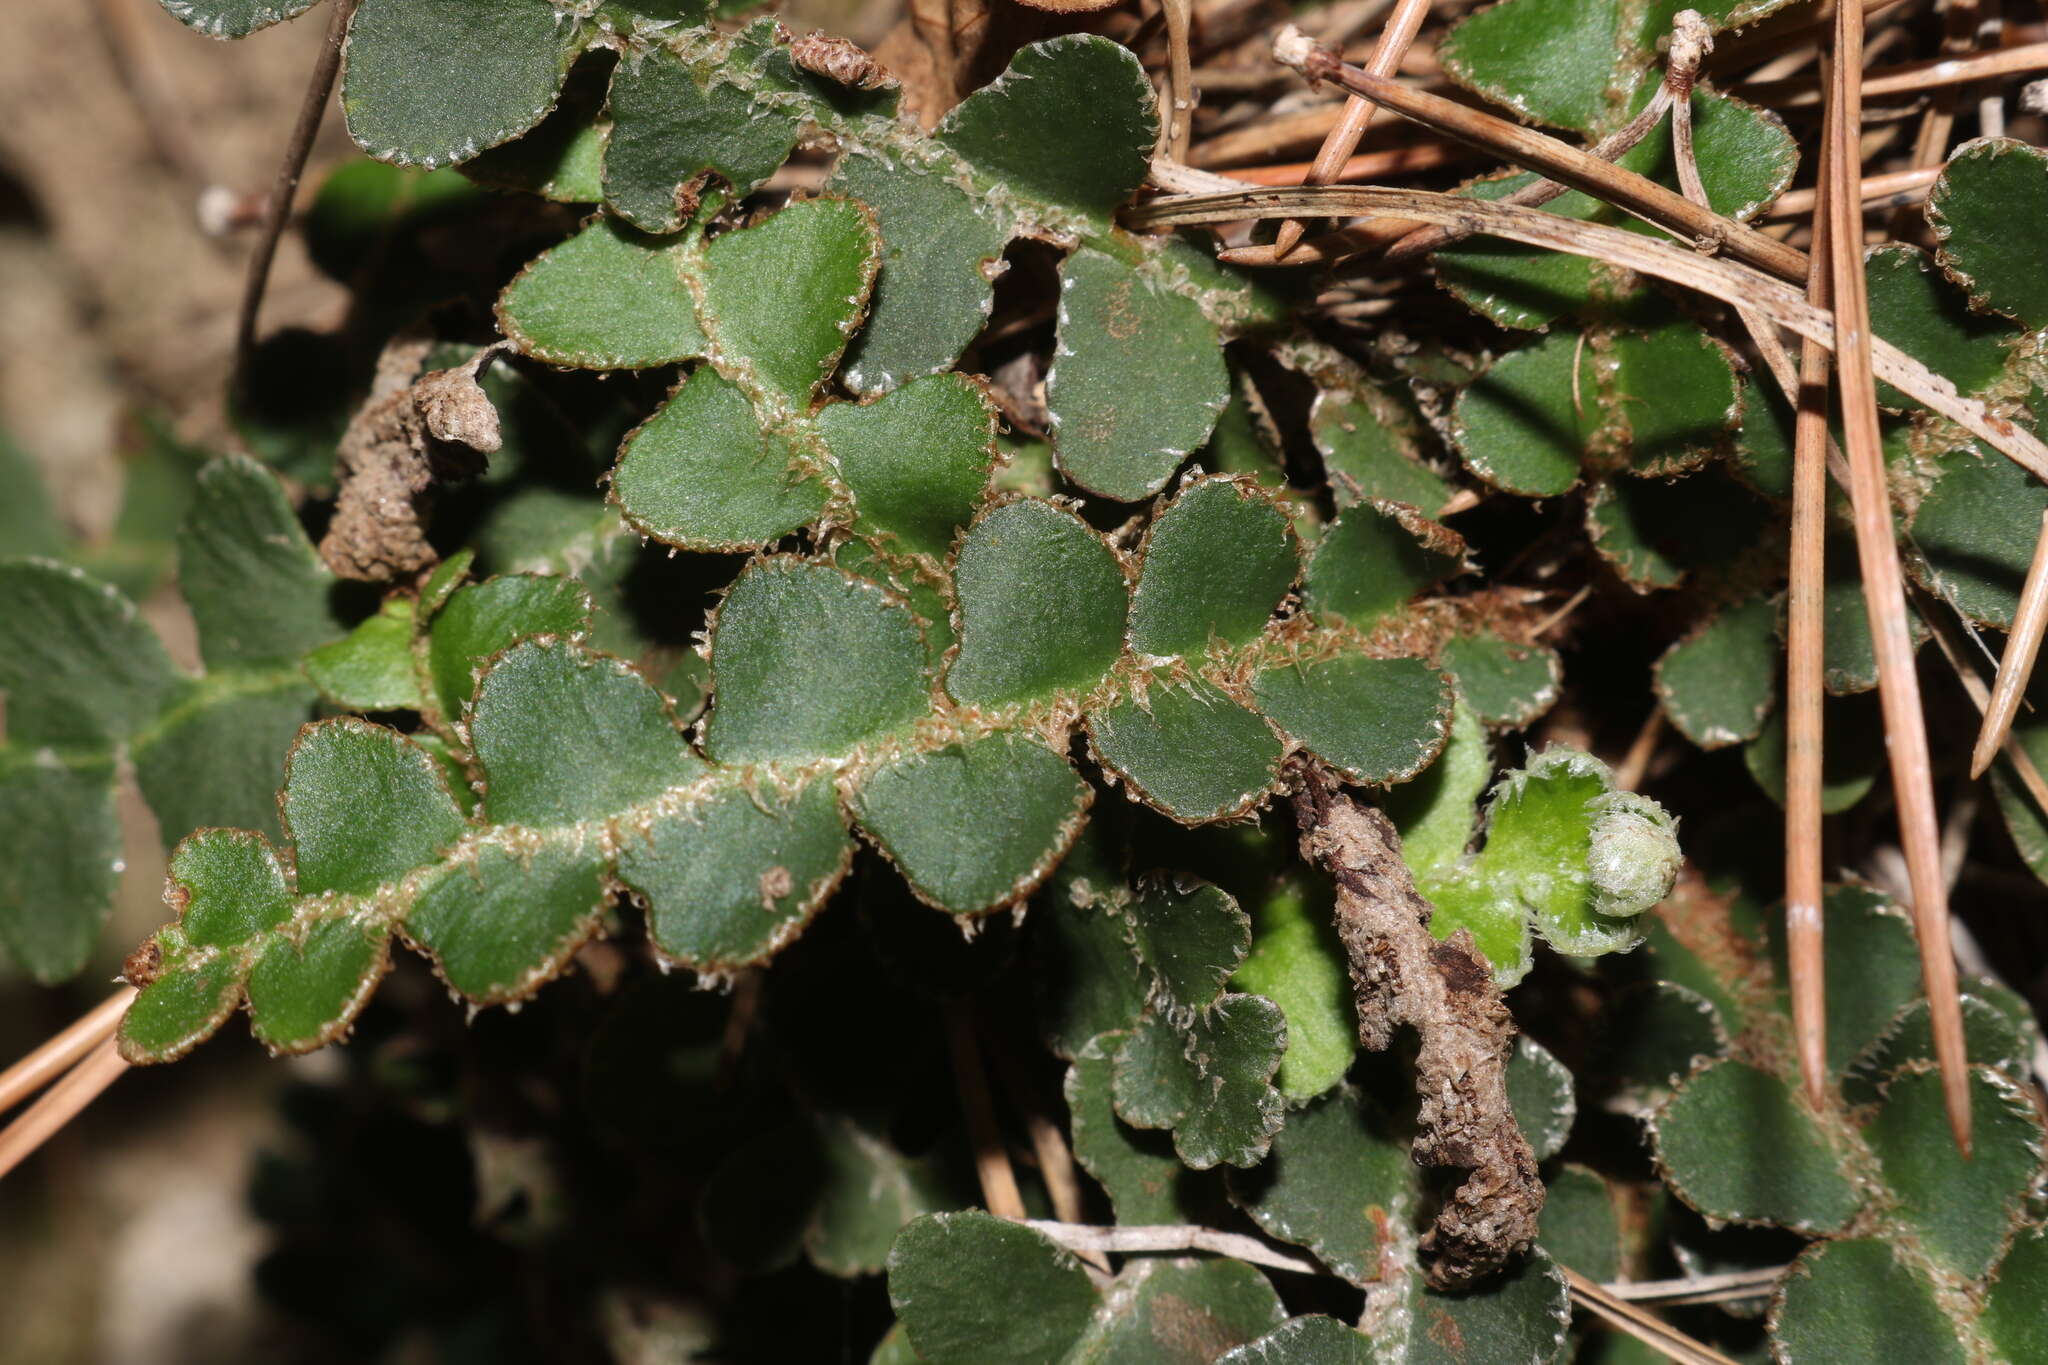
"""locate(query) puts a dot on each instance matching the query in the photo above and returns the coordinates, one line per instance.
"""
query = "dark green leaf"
(1734, 1143)
(1718, 684)
(955, 1280)
(1375, 720)
(1215, 562)
(1338, 1182)
(1988, 187)
(1042, 606)
(1858, 1301)
(609, 298)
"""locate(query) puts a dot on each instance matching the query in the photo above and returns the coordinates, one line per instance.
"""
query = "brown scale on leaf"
(1403, 974)
(409, 436)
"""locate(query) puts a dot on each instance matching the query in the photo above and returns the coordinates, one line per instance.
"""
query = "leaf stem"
(277, 209)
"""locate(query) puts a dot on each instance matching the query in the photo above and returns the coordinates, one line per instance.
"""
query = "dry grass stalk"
(2016, 664)
(1909, 78)
(991, 1158)
(1883, 585)
(1343, 140)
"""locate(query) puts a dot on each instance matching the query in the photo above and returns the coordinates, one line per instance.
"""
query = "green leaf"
(1914, 308)
(363, 807)
(2012, 1308)
(933, 293)
(1657, 534)
(1524, 424)
(1436, 811)
(1368, 439)
(1871, 967)
(1042, 605)
(977, 826)
(1137, 382)
(1020, 131)
(1961, 1212)
(258, 592)
(1374, 720)
(1719, 683)
(1086, 975)
(1580, 1227)
(675, 123)
(1991, 1037)
(1988, 186)
(1540, 1093)
(1189, 750)
(1338, 1182)
(1564, 852)
(1211, 1083)
(1660, 1032)
(703, 474)
(181, 1008)
(916, 460)
(60, 814)
(481, 620)
(955, 1280)
(1745, 155)
(235, 18)
(731, 877)
(1187, 942)
(233, 887)
(809, 662)
(1519, 1316)
(1975, 532)
(1734, 1144)
(1374, 559)
(1505, 683)
(408, 103)
(1298, 963)
(510, 920)
(371, 669)
(215, 757)
(1551, 61)
(1673, 396)
(304, 994)
(568, 736)
(1144, 1179)
(77, 663)
(1857, 1300)
(609, 298)
(1179, 1312)
(781, 299)
(1309, 1340)
(29, 525)
(562, 159)
(1215, 563)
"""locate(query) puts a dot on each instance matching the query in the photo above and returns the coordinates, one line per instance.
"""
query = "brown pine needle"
(1568, 165)
(62, 1052)
(2016, 665)
(1647, 1328)
(1402, 26)
(1945, 632)
(1907, 79)
(1420, 156)
(61, 1103)
(1805, 641)
(1717, 278)
(1180, 84)
(1883, 585)
(991, 1158)
(1877, 191)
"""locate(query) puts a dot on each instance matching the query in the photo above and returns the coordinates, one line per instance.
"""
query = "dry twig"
(60, 1053)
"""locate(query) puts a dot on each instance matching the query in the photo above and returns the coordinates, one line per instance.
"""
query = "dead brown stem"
(991, 1157)
(1647, 1328)
(1402, 975)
